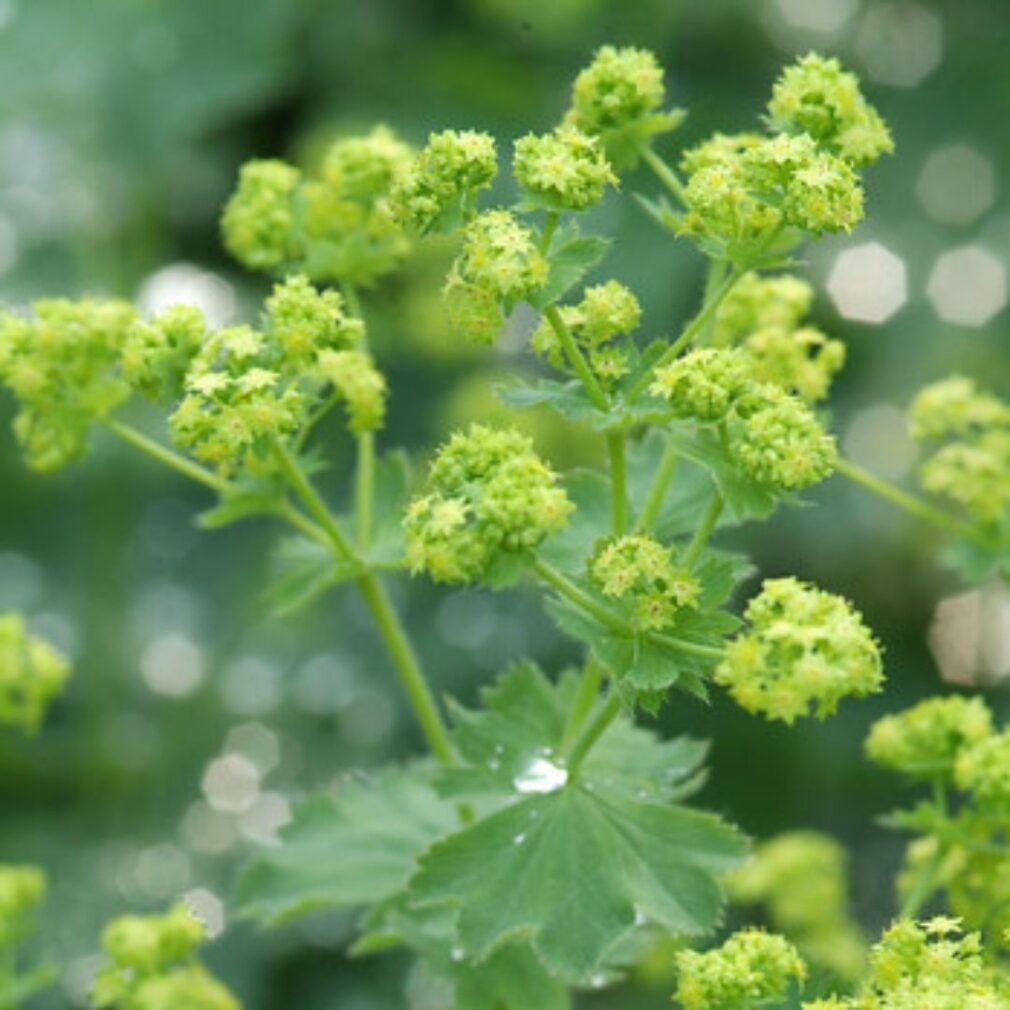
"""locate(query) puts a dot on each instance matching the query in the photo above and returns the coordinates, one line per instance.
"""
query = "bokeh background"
(194, 720)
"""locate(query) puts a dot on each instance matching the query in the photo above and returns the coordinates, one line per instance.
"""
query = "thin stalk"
(164, 455)
(693, 328)
(314, 418)
(704, 531)
(925, 883)
(594, 729)
(666, 175)
(364, 488)
(550, 225)
(576, 358)
(618, 482)
(350, 293)
(713, 281)
(705, 651)
(657, 491)
(911, 504)
(408, 669)
(585, 698)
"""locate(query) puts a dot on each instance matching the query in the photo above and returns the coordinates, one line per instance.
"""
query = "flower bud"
(258, 224)
(704, 383)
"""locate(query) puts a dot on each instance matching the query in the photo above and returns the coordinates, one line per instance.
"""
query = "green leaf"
(570, 549)
(390, 497)
(568, 399)
(303, 571)
(975, 563)
(570, 260)
(573, 871)
(358, 847)
(242, 502)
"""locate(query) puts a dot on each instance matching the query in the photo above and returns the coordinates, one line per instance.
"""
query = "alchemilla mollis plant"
(546, 844)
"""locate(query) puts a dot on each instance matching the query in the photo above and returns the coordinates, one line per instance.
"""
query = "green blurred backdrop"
(194, 720)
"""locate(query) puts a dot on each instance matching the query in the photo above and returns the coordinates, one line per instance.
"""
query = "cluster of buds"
(643, 575)
(152, 965)
(704, 384)
(488, 498)
(32, 674)
(764, 316)
(971, 428)
(157, 352)
(805, 650)
(607, 312)
(751, 968)
(562, 170)
(338, 226)
(983, 770)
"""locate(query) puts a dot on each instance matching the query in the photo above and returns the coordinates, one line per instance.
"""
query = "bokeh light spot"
(967, 286)
(186, 284)
(173, 665)
(877, 438)
(899, 43)
(957, 184)
(868, 283)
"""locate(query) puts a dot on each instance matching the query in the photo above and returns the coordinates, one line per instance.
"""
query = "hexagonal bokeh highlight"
(957, 184)
(899, 43)
(967, 286)
(868, 283)
(820, 16)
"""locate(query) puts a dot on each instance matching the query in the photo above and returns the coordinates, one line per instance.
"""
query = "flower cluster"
(618, 98)
(750, 968)
(705, 383)
(924, 965)
(152, 965)
(806, 649)
(157, 352)
(972, 465)
(489, 498)
(440, 187)
(62, 365)
(607, 311)
(32, 674)
(757, 302)
(925, 740)
(817, 97)
(640, 572)
(498, 265)
(984, 771)
(22, 888)
(339, 226)
(562, 170)
(800, 878)
(357, 382)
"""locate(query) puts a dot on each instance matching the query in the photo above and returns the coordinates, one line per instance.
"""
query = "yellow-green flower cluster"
(62, 365)
(925, 740)
(32, 674)
(152, 966)
(606, 312)
(618, 98)
(752, 967)
(758, 302)
(805, 650)
(984, 771)
(498, 266)
(246, 388)
(915, 966)
(562, 170)
(800, 878)
(643, 574)
(972, 466)
(339, 226)
(22, 888)
(444, 179)
(488, 497)
(705, 383)
(817, 97)
(157, 352)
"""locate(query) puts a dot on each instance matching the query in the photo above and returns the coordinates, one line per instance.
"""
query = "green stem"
(693, 328)
(911, 504)
(364, 488)
(594, 729)
(550, 225)
(714, 279)
(618, 482)
(314, 418)
(408, 669)
(704, 531)
(164, 455)
(576, 357)
(657, 491)
(666, 175)
(585, 698)
(350, 293)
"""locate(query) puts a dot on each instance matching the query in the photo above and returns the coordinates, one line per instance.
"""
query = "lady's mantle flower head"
(563, 170)
(499, 265)
(805, 649)
(22, 888)
(705, 383)
(157, 353)
(152, 965)
(782, 444)
(984, 770)
(758, 302)
(642, 573)
(444, 178)
(955, 406)
(258, 224)
(926, 739)
(489, 496)
(607, 311)
(750, 968)
(32, 674)
(62, 365)
(618, 98)
(358, 383)
(817, 97)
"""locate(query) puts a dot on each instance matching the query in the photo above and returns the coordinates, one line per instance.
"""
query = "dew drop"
(456, 953)
(519, 839)
(541, 776)
(598, 981)
(640, 917)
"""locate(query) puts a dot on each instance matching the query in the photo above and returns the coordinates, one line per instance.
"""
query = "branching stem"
(576, 358)
(618, 482)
